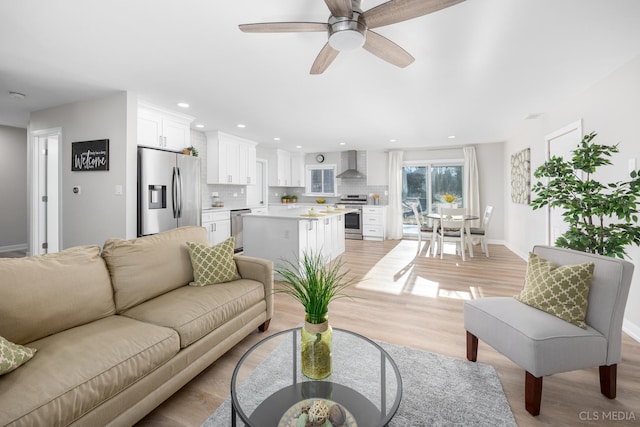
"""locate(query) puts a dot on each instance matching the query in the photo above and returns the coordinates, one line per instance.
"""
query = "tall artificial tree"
(602, 218)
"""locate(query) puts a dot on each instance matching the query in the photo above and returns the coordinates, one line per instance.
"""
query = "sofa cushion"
(559, 290)
(213, 264)
(194, 311)
(149, 266)
(45, 294)
(13, 355)
(76, 370)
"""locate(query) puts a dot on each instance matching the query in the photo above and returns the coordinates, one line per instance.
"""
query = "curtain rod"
(449, 147)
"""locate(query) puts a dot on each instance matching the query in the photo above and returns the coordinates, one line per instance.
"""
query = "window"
(321, 180)
(426, 184)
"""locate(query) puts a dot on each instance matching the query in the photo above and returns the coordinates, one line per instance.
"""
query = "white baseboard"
(524, 256)
(631, 329)
(13, 248)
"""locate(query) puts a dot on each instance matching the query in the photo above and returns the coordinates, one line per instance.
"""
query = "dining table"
(436, 217)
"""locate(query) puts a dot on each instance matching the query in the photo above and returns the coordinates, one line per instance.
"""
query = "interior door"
(45, 201)
(560, 143)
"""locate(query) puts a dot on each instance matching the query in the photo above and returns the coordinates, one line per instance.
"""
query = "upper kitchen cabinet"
(297, 170)
(230, 159)
(377, 168)
(280, 168)
(160, 128)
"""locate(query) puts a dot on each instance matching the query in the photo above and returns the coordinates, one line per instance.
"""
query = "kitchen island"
(287, 233)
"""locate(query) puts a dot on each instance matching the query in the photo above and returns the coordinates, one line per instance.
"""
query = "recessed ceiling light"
(392, 140)
(343, 143)
(241, 126)
(199, 125)
(183, 105)
(17, 95)
(298, 146)
(277, 138)
(451, 137)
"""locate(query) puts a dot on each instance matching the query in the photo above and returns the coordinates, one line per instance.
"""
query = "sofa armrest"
(261, 270)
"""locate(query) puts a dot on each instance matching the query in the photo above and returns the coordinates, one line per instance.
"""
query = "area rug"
(437, 390)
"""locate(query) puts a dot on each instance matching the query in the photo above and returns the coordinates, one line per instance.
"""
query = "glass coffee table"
(268, 388)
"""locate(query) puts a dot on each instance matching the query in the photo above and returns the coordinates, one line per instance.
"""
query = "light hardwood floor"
(417, 302)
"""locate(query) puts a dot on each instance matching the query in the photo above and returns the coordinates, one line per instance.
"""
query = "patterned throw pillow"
(13, 355)
(559, 290)
(213, 264)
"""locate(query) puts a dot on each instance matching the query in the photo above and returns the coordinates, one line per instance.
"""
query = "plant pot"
(315, 346)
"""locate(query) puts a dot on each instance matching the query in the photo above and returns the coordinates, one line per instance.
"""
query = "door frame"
(52, 179)
(572, 127)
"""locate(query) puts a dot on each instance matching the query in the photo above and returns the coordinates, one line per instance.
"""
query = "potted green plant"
(285, 199)
(190, 151)
(601, 217)
(314, 282)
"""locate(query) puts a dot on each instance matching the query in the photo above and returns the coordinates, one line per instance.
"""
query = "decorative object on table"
(293, 198)
(317, 413)
(376, 199)
(285, 199)
(190, 151)
(320, 201)
(521, 177)
(590, 208)
(314, 282)
(88, 156)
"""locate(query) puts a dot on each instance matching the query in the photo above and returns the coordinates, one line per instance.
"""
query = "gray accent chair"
(543, 344)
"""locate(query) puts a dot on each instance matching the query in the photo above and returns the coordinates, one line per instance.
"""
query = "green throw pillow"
(13, 355)
(213, 264)
(559, 290)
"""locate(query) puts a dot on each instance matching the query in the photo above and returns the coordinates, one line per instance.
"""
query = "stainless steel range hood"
(351, 159)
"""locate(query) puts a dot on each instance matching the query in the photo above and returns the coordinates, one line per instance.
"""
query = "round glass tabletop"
(268, 388)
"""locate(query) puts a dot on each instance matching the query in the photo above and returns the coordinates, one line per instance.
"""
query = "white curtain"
(394, 221)
(471, 188)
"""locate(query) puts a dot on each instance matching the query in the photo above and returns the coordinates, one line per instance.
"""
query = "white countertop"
(301, 213)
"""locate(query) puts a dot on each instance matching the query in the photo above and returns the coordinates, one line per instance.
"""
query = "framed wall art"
(90, 155)
(521, 177)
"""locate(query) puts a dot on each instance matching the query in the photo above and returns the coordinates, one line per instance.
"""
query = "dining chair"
(452, 228)
(481, 232)
(424, 231)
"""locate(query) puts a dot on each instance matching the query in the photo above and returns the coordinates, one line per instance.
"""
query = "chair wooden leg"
(608, 380)
(532, 393)
(472, 347)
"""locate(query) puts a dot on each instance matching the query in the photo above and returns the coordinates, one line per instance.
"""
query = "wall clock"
(319, 158)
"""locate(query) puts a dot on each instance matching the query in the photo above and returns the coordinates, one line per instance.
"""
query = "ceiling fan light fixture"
(347, 33)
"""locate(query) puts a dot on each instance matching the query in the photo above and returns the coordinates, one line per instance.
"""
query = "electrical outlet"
(235, 194)
(242, 191)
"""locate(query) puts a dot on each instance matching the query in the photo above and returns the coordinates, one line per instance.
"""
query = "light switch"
(118, 190)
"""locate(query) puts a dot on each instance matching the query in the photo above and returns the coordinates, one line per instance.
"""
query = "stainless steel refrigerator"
(168, 191)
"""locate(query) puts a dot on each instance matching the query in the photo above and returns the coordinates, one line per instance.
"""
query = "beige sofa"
(118, 331)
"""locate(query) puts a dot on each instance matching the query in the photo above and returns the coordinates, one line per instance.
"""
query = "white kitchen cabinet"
(218, 225)
(230, 159)
(373, 222)
(160, 128)
(298, 171)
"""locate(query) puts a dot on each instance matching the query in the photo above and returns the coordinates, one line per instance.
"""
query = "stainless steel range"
(353, 220)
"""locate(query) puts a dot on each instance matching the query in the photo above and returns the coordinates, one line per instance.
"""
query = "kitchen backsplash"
(348, 186)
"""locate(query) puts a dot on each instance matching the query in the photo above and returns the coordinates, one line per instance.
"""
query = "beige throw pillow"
(213, 264)
(13, 355)
(559, 290)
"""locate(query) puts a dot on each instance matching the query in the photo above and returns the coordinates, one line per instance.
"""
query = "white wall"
(611, 108)
(14, 226)
(97, 213)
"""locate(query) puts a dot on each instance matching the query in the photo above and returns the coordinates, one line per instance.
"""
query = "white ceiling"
(481, 66)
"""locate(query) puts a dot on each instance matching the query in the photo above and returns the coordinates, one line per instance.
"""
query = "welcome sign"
(90, 155)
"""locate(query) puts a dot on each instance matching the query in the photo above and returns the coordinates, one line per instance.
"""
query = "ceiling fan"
(350, 28)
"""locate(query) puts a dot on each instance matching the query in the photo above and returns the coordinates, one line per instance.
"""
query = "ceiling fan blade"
(401, 10)
(387, 50)
(324, 59)
(283, 27)
(340, 7)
